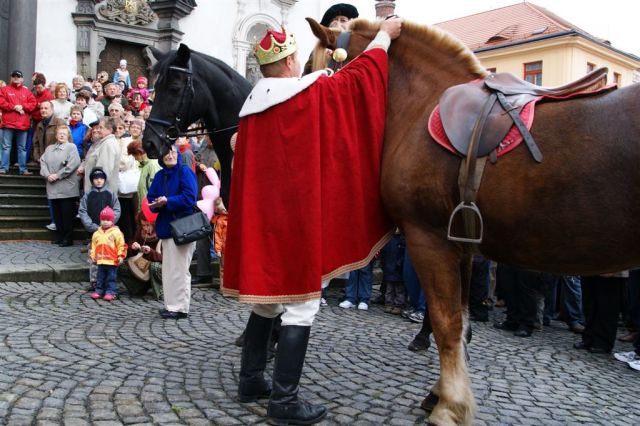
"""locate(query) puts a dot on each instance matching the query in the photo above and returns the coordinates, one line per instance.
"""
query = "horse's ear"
(184, 54)
(154, 53)
(326, 37)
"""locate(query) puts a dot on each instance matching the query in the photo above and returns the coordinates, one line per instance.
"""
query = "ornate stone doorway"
(115, 50)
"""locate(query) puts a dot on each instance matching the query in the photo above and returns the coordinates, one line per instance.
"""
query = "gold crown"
(275, 50)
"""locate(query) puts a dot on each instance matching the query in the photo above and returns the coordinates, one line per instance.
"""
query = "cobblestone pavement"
(66, 359)
(35, 252)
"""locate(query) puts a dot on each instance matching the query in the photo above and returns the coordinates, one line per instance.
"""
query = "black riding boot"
(252, 385)
(284, 406)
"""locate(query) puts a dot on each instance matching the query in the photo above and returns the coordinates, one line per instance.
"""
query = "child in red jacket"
(108, 250)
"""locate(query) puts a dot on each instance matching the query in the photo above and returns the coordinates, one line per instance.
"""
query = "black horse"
(191, 86)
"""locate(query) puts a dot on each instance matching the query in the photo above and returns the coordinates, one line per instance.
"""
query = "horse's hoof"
(430, 402)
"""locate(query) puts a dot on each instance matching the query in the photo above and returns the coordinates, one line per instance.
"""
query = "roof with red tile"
(520, 22)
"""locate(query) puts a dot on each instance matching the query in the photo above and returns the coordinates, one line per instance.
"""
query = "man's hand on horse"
(392, 27)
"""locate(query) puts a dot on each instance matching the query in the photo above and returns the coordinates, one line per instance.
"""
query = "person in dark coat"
(173, 195)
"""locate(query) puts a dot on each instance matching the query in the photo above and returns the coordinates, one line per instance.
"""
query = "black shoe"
(577, 328)
(173, 315)
(58, 242)
(201, 279)
(252, 386)
(284, 406)
(506, 325)
(523, 332)
(581, 345)
(419, 343)
(65, 244)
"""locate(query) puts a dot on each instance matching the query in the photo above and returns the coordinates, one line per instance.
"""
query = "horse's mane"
(213, 65)
(433, 36)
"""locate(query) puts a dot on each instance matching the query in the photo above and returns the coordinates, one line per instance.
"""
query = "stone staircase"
(24, 211)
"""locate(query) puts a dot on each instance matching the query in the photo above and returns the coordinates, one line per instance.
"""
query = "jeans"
(360, 284)
(633, 299)
(417, 299)
(7, 143)
(106, 284)
(572, 291)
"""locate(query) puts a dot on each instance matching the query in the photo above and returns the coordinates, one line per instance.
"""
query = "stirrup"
(466, 208)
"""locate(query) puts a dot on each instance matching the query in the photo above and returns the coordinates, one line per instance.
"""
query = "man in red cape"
(305, 204)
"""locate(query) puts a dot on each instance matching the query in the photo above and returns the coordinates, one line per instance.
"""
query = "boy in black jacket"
(91, 204)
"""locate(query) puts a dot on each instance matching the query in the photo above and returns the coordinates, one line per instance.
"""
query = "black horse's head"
(191, 86)
(173, 101)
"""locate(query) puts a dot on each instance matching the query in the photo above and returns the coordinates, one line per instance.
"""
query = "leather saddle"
(462, 107)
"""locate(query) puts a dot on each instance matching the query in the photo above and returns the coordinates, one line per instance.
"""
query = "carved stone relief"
(85, 6)
(84, 34)
(132, 12)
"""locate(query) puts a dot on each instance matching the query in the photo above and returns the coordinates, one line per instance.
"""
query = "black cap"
(96, 173)
(16, 73)
(339, 9)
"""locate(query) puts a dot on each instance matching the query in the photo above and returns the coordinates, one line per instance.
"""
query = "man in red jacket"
(16, 102)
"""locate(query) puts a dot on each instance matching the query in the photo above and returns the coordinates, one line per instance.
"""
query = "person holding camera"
(173, 195)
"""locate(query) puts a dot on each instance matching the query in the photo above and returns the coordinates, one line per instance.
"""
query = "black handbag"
(190, 228)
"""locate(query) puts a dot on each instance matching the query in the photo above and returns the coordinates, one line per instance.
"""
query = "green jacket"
(148, 169)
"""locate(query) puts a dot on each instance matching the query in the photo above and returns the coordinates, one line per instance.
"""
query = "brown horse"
(574, 213)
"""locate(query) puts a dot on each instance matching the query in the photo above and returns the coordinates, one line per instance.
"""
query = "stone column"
(22, 37)
(385, 8)
(4, 39)
(169, 14)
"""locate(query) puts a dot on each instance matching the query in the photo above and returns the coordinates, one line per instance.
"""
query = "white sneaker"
(346, 304)
(626, 356)
(635, 365)
(52, 227)
(323, 301)
(363, 306)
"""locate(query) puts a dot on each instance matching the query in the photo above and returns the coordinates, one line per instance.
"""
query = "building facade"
(535, 44)
(62, 38)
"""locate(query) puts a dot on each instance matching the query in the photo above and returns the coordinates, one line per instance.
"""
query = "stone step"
(23, 199)
(24, 210)
(23, 188)
(15, 179)
(34, 222)
(8, 234)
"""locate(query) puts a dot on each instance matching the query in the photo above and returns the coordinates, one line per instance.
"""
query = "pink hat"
(107, 214)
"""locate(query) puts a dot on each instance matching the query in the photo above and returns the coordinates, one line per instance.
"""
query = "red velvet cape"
(305, 201)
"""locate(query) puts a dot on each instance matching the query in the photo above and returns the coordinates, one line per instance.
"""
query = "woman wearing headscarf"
(173, 195)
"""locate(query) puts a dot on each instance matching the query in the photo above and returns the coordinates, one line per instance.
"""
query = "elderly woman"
(173, 195)
(116, 111)
(58, 165)
(61, 104)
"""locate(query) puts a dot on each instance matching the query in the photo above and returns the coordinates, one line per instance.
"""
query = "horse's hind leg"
(437, 263)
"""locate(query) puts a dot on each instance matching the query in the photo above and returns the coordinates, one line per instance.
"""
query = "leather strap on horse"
(528, 139)
(469, 179)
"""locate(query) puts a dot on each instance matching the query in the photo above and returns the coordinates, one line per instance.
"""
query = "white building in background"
(70, 37)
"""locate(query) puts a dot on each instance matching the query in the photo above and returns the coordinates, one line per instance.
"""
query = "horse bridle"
(173, 130)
